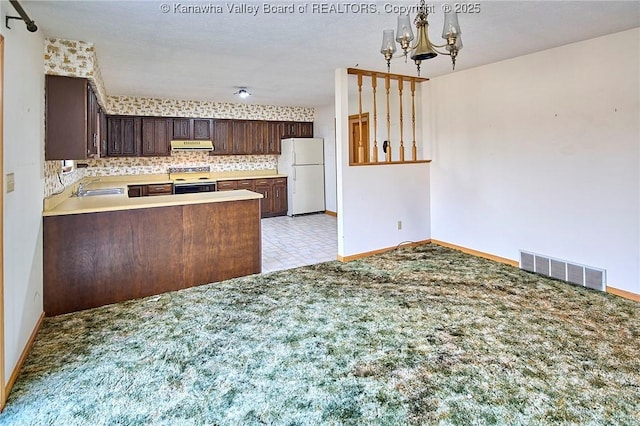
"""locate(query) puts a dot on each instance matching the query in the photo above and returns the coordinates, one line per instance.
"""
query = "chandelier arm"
(439, 52)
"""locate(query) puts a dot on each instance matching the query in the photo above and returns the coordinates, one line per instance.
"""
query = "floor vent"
(575, 273)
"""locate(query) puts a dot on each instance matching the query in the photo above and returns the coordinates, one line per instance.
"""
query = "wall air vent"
(575, 273)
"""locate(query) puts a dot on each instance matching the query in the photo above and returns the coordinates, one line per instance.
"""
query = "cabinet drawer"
(136, 191)
(279, 181)
(160, 189)
(263, 182)
(227, 185)
(246, 184)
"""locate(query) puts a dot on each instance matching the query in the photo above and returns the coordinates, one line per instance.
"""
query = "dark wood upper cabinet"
(93, 124)
(71, 119)
(275, 132)
(151, 136)
(222, 137)
(297, 129)
(156, 136)
(257, 133)
(181, 128)
(123, 136)
(240, 138)
(304, 129)
(202, 129)
(102, 122)
(193, 129)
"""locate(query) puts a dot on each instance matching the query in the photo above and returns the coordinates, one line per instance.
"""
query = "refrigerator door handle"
(294, 157)
(294, 181)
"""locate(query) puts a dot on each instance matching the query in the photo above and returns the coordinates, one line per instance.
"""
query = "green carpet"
(423, 335)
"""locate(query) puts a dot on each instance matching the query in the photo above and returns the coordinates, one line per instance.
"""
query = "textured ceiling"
(289, 58)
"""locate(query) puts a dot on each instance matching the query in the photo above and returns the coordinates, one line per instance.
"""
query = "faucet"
(80, 190)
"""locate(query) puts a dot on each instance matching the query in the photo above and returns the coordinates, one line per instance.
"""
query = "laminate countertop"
(105, 203)
(67, 204)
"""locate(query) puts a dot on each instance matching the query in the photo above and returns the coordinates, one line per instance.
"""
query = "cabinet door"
(92, 123)
(279, 201)
(102, 139)
(181, 128)
(202, 129)
(240, 138)
(114, 136)
(305, 129)
(289, 129)
(256, 137)
(156, 136)
(275, 131)
(66, 118)
(266, 205)
(123, 136)
(222, 137)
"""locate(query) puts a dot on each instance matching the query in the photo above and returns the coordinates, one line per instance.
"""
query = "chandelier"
(423, 48)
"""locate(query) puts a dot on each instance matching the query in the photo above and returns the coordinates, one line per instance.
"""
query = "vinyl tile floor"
(289, 242)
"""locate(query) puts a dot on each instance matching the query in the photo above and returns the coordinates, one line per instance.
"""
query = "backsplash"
(152, 165)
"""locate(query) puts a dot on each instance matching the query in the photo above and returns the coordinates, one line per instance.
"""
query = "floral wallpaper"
(128, 105)
(73, 58)
(152, 165)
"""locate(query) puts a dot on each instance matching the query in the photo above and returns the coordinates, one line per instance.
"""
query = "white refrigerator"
(302, 160)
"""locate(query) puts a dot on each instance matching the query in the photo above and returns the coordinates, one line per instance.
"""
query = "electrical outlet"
(399, 225)
(11, 182)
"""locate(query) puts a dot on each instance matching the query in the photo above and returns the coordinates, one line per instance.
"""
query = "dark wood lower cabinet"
(273, 190)
(279, 201)
(95, 259)
(150, 190)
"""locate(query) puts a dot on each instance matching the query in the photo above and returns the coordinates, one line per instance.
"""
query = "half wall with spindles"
(391, 104)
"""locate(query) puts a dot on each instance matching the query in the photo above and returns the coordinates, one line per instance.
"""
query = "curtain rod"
(31, 25)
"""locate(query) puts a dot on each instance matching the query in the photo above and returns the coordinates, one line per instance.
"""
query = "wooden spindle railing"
(360, 158)
(374, 83)
(400, 87)
(362, 153)
(387, 86)
(414, 148)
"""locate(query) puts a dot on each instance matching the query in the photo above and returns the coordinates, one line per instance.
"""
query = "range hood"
(180, 145)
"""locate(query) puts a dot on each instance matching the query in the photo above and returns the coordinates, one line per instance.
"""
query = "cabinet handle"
(277, 193)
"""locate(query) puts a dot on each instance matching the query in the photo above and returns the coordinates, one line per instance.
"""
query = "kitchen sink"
(99, 191)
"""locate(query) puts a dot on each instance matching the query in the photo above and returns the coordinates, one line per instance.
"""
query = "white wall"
(23, 155)
(371, 199)
(324, 127)
(542, 153)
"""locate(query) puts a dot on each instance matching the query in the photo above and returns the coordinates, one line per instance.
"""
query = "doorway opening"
(359, 153)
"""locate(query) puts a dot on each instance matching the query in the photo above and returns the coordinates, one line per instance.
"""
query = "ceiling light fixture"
(243, 93)
(423, 48)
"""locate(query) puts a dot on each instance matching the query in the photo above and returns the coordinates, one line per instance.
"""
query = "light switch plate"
(11, 182)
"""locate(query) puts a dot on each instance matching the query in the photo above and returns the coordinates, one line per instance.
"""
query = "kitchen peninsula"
(110, 248)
